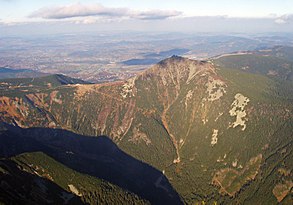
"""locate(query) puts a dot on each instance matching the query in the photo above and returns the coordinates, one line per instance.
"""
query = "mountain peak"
(173, 59)
(181, 62)
(179, 69)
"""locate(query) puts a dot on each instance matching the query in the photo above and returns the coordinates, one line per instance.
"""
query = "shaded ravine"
(24, 191)
(95, 156)
(172, 137)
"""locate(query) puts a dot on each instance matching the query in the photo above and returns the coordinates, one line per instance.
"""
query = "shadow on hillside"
(95, 156)
(15, 181)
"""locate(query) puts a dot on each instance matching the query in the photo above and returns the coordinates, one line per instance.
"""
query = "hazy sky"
(161, 15)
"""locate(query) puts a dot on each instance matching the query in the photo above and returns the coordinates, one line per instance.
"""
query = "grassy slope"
(265, 65)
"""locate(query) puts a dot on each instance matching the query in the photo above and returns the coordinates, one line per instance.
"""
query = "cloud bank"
(80, 17)
(80, 10)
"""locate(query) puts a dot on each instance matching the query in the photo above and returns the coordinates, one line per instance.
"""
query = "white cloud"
(280, 21)
(77, 10)
(284, 19)
(156, 14)
(87, 20)
(80, 10)
(10, 22)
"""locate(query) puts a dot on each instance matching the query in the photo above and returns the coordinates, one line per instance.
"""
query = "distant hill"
(152, 58)
(282, 52)
(259, 64)
(20, 73)
(36, 84)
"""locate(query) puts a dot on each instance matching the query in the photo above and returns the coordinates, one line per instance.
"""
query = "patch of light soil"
(234, 163)
(188, 97)
(74, 190)
(215, 89)
(214, 137)
(238, 110)
(127, 88)
(139, 136)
